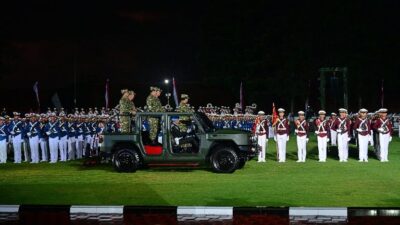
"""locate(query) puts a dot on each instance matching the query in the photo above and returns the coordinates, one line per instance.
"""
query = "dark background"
(275, 49)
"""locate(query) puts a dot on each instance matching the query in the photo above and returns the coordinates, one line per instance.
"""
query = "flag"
(175, 92)
(36, 90)
(56, 101)
(274, 115)
(107, 96)
(241, 97)
(382, 95)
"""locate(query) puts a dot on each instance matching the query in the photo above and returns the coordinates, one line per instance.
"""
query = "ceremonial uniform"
(80, 127)
(16, 130)
(3, 140)
(322, 129)
(384, 127)
(71, 139)
(333, 133)
(33, 131)
(43, 139)
(343, 127)
(261, 130)
(63, 141)
(52, 131)
(154, 105)
(282, 135)
(364, 135)
(301, 131)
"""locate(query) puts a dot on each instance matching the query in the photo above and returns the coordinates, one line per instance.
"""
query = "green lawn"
(269, 184)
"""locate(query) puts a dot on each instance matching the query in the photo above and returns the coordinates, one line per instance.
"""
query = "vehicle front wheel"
(224, 160)
(242, 162)
(126, 160)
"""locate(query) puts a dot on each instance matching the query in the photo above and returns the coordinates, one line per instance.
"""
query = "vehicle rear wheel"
(126, 160)
(224, 160)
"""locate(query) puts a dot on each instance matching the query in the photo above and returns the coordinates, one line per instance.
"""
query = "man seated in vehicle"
(182, 142)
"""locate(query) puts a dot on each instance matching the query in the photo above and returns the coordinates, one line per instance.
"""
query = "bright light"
(166, 81)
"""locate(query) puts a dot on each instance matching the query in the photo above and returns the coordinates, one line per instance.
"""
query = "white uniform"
(281, 138)
(333, 134)
(343, 140)
(261, 132)
(301, 139)
(3, 144)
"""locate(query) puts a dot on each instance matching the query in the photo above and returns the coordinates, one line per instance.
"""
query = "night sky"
(275, 49)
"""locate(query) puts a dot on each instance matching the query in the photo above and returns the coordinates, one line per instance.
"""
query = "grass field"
(269, 184)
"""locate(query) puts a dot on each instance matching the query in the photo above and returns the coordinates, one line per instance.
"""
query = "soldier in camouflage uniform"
(126, 110)
(184, 107)
(154, 105)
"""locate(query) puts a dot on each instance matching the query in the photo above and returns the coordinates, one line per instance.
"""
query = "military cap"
(300, 112)
(333, 114)
(27, 115)
(61, 114)
(261, 113)
(16, 113)
(343, 110)
(281, 110)
(130, 92)
(155, 89)
(321, 112)
(363, 110)
(383, 110)
(52, 115)
(184, 96)
(2, 118)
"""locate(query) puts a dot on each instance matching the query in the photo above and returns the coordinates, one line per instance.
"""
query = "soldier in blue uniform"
(3, 140)
(71, 136)
(43, 138)
(32, 131)
(63, 134)
(16, 129)
(53, 132)
(80, 127)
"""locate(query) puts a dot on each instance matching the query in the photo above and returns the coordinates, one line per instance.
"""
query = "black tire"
(242, 162)
(224, 160)
(126, 160)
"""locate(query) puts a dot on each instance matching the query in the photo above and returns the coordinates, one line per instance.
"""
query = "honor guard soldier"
(126, 110)
(43, 137)
(364, 134)
(260, 129)
(16, 130)
(384, 127)
(71, 136)
(301, 131)
(63, 134)
(4, 133)
(333, 133)
(52, 131)
(154, 105)
(33, 131)
(322, 131)
(342, 126)
(282, 134)
(79, 141)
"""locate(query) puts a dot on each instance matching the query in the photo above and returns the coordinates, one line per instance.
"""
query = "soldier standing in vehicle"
(184, 107)
(126, 109)
(154, 105)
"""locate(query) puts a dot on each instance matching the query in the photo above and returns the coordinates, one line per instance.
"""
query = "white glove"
(316, 132)
(348, 139)
(390, 138)
(48, 132)
(29, 134)
(327, 140)
(307, 140)
(266, 140)
(339, 130)
(359, 130)
(274, 138)
(380, 130)
(287, 138)
(12, 132)
(296, 131)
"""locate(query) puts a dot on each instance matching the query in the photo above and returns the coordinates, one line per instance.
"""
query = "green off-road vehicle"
(183, 139)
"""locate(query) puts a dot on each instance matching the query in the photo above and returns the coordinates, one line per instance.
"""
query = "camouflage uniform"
(184, 108)
(153, 105)
(126, 109)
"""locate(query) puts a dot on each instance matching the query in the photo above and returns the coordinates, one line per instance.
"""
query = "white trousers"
(322, 145)
(343, 146)
(363, 147)
(282, 139)
(3, 151)
(262, 141)
(333, 137)
(34, 146)
(384, 146)
(25, 147)
(71, 148)
(301, 148)
(63, 143)
(53, 145)
(79, 146)
(43, 148)
(17, 143)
